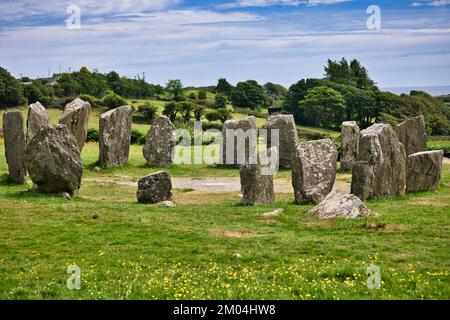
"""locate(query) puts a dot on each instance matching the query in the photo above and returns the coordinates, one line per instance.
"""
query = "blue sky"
(200, 41)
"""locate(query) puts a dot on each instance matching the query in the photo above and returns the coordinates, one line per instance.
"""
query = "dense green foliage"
(113, 100)
(249, 94)
(224, 87)
(11, 91)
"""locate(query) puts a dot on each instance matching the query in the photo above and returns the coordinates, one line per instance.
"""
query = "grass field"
(131, 251)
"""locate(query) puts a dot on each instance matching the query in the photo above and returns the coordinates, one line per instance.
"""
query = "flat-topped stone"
(239, 140)
(412, 134)
(287, 136)
(349, 144)
(424, 170)
(14, 136)
(159, 148)
(155, 188)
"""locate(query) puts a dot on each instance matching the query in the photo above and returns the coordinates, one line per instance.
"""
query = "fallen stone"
(349, 144)
(53, 161)
(115, 136)
(15, 146)
(379, 171)
(288, 137)
(413, 135)
(236, 255)
(155, 188)
(159, 148)
(76, 119)
(167, 204)
(274, 213)
(424, 171)
(256, 184)
(66, 196)
(37, 119)
(314, 170)
(239, 140)
(340, 205)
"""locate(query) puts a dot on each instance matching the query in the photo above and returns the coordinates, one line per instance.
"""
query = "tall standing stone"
(288, 137)
(37, 119)
(412, 134)
(53, 161)
(76, 119)
(115, 136)
(314, 170)
(424, 170)
(155, 188)
(256, 182)
(15, 144)
(159, 148)
(379, 171)
(239, 140)
(349, 144)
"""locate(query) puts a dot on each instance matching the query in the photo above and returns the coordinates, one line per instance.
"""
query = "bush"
(94, 102)
(92, 135)
(212, 115)
(113, 101)
(148, 111)
(137, 137)
(220, 101)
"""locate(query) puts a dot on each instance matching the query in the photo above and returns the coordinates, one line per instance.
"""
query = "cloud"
(433, 3)
(16, 10)
(270, 3)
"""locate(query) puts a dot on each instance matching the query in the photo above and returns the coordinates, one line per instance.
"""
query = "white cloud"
(14, 10)
(433, 3)
(269, 3)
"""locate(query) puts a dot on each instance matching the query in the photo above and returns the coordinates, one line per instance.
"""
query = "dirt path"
(446, 160)
(216, 184)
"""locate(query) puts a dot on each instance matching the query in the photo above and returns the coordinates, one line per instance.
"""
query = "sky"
(200, 41)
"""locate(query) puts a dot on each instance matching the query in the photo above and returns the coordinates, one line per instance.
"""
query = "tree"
(296, 93)
(148, 111)
(224, 115)
(212, 115)
(186, 108)
(275, 90)
(224, 87)
(249, 94)
(339, 72)
(192, 96)
(175, 87)
(84, 70)
(171, 110)
(220, 101)
(323, 107)
(198, 111)
(202, 95)
(360, 75)
(11, 90)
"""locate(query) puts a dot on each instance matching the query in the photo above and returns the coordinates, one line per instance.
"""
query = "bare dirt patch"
(432, 203)
(235, 234)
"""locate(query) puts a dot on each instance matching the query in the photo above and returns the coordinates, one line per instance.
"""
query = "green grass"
(131, 251)
(440, 145)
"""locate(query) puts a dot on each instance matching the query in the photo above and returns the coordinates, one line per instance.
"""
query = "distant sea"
(433, 90)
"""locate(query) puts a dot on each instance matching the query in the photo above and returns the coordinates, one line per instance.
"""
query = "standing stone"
(159, 148)
(349, 144)
(76, 119)
(53, 161)
(155, 188)
(239, 140)
(314, 170)
(15, 146)
(256, 183)
(115, 136)
(424, 171)
(37, 119)
(379, 171)
(288, 137)
(340, 205)
(412, 134)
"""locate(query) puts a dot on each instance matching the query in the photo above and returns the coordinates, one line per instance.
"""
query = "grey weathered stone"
(256, 184)
(379, 171)
(166, 204)
(423, 170)
(340, 205)
(115, 136)
(76, 119)
(314, 170)
(159, 148)
(272, 214)
(37, 119)
(288, 137)
(349, 144)
(53, 161)
(15, 144)
(155, 188)
(237, 135)
(412, 134)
